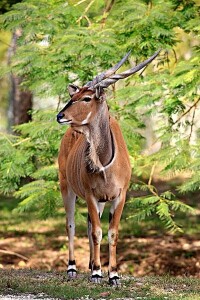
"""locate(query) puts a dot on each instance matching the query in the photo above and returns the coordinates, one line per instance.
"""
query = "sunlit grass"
(57, 285)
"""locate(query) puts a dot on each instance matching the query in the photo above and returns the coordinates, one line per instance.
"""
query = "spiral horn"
(99, 78)
(109, 77)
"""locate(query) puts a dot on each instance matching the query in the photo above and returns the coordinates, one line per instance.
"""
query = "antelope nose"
(60, 116)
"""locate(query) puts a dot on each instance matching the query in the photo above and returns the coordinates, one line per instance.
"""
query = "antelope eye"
(87, 99)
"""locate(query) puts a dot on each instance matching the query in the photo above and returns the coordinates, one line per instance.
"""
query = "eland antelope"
(94, 165)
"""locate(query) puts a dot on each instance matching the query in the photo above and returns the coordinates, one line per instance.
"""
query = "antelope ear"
(73, 89)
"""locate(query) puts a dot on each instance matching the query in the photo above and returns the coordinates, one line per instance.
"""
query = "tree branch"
(192, 124)
(79, 2)
(59, 101)
(187, 111)
(84, 13)
(14, 253)
(175, 55)
(114, 90)
(150, 181)
(106, 12)
(140, 75)
(151, 174)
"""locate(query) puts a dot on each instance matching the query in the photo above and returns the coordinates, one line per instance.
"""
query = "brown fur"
(85, 170)
(118, 175)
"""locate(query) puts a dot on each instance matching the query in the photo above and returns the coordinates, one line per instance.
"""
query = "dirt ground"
(136, 256)
(42, 245)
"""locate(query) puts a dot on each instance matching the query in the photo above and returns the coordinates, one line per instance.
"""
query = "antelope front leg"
(69, 199)
(114, 219)
(100, 209)
(95, 237)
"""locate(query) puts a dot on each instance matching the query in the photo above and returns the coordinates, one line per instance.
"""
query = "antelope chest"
(105, 188)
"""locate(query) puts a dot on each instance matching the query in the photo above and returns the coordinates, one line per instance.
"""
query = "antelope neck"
(100, 151)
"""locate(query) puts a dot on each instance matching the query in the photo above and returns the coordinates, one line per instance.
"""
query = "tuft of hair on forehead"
(84, 91)
(81, 92)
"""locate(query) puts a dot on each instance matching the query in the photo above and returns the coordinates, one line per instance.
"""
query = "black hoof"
(72, 273)
(96, 278)
(114, 281)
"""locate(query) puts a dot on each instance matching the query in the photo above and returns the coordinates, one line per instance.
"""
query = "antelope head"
(84, 104)
(82, 107)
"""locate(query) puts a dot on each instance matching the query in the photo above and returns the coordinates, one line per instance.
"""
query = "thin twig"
(88, 20)
(150, 181)
(155, 193)
(175, 55)
(152, 191)
(85, 11)
(151, 174)
(140, 75)
(79, 2)
(6, 137)
(192, 124)
(151, 146)
(150, 5)
(167, 54)
(59, 101)
(187, 111)
(24, 140)
(114, 91)
(106, 12)
(14, 144)
(14, 253)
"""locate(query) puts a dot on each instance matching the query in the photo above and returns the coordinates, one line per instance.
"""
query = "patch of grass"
(57, 285)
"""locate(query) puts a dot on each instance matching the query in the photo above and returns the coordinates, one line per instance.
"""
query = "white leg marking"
(101, 208)
(112, 235)
(98, 235)
(96, 272)
(71, 267)
(114, 205)
(113, 274)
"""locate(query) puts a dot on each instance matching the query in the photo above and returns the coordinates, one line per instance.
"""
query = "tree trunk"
(20, 101)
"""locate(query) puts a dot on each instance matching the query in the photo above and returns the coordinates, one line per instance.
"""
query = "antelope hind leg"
(114, 219)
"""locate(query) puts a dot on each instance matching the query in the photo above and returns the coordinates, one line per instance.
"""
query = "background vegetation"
(44, 46)
(72, 41)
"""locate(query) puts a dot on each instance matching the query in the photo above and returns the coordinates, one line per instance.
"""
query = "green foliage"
(163, 205)
(4, 42)
(15, 165)
(41, 195)
(29, 164)
(72, 41)
(5, 5)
